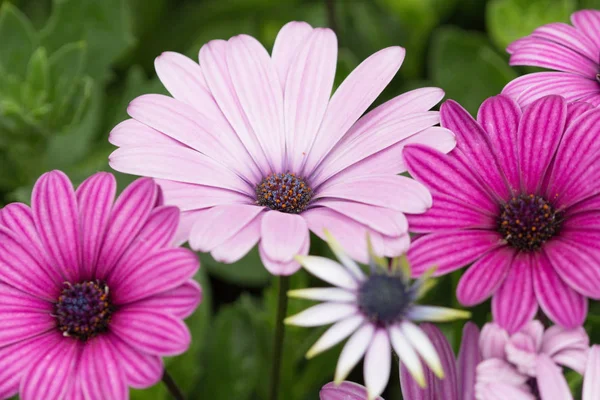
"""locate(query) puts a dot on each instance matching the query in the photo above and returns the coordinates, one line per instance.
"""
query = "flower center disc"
(283, 192)
(528, 221)
(84, 310)
(384, 299)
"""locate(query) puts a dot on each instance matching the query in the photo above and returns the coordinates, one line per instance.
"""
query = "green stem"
(284, 283)
(172, 386)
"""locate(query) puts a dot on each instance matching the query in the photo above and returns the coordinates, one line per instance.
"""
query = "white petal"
(353, 351)
(324, 294)
(322, 314)
(408, 356)
(591, 380)
(338, 332)
(436, 314)
(328, 270)
(423, 346)
(378, 363)
(344, 258)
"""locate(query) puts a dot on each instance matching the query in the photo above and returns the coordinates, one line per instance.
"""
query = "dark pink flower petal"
(344, 391)
(289, 40)
(536, 151)
(562, 304)
(18, 218)
(473, 148)
(151, 332)
(159, 271)
(15, 300)
(499, 116)
(469, 357)
(450, 250)
(442, 174)
(588, 22)
(21, 267)
(101, 371)
(17, 358)
(482, 278)
(52, 373)
(531, 87)
(576, 265)
(411, 389)
(181, 301)
(129, 215)
(576, 109)
(510, 314)
(141, 370)
(569, 37)
(95, 197)
(447, 387)
(56, 218)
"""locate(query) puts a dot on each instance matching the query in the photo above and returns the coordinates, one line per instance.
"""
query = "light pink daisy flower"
(518, 201)
(458, 383)
(526, 364)
(376, 311)
(92, 294)
(572, 51)
(251, 147)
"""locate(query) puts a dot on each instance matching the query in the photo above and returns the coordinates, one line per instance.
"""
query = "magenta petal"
(18, 218)
(52, 374)
(483, 278)
(510, 314)
(15, 359)
(15, 300)
(344, 391)
(181, 301)
(535, 151)
(129, 215)
(568, 36)
(473, 147)
(21, 268)
(95, 197)
(19, 325)
(575, 110)
(562, 304)
(56, 217)
(159, 271)
(282, 235)
(588, 21)
(101, 371)
(447, 387)
(469, 357)
(499, 116)
(151, 332)
(141, 370)
(450, 250)
(411, 389)
(442, 174)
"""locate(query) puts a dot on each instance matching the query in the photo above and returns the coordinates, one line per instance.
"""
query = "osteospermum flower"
(252, 148)
(518, 200)
(92, 293)
(526, 365)
(376, 311)
(572, 51)
(458, 383)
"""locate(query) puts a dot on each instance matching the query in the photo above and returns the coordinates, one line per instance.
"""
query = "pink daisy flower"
(572, 51)
(92, 294)
(252, 148)
(458, 383)
(376, 312)
(517, 200)
(526, 364)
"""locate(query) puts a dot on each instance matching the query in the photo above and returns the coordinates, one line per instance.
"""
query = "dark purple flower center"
(284, 192)
(384, 299)
(528, 221)
(83, 310)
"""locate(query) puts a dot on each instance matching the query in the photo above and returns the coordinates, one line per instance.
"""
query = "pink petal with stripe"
(482, 278)
(569, 37)
(237, 246)
(282, 235)
(132, 133)
(181, 301)
(492, 341)
(450, 250)
(513, 315)
(140, 370)
(448, 214)
(18, 218)
(289, 40)
(588, 21)
(344, 391)
(447, 387)
(469, 356)
(56, 216)
(568, 347)
(531, 87)
(101, 371)
(187, 196)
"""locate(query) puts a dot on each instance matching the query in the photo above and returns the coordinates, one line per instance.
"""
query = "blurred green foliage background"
(68, 69)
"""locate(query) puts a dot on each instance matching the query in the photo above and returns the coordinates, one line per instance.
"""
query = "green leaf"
(249, 271)
(188, 367)
(466, 67)
(37, 82)
(18, 39)
(104, 26)
(509, 20)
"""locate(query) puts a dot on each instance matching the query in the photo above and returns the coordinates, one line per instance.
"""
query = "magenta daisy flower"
(376, 312)
(252, 148)
(527, 365)
(573, 52)
(517, 200)
(92, 294)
